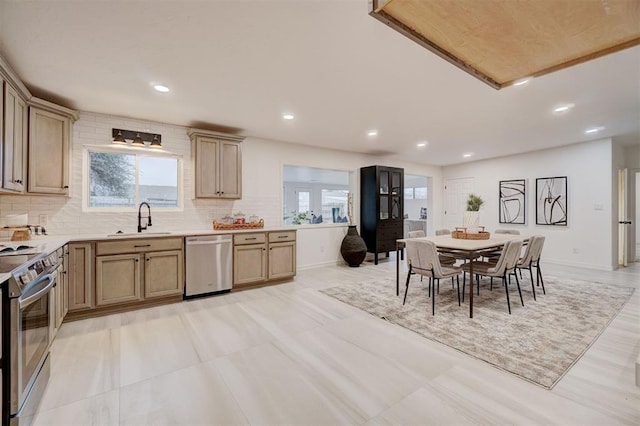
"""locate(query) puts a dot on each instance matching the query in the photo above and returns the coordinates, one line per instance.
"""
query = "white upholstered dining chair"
(422, 259)
(531, 259)
(416, 234)
(503, 268)
(444, 259)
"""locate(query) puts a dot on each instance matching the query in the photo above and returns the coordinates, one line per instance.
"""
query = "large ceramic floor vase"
(353, 248)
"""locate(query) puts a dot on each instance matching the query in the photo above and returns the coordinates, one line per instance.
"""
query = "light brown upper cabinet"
(15, 140)
(218, 164)
(49, 140)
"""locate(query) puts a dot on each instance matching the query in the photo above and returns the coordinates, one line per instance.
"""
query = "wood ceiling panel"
(501, 41)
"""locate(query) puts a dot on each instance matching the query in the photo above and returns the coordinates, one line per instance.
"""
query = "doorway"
(637, 216)
(456, 192)
(628, 216)
(417, 206)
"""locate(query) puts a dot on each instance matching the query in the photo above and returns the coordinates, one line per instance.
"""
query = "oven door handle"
(23, 303)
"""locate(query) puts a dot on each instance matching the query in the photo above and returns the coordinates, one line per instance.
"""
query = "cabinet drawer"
(138, 245)
(252, 238)
(389, 233)
(281, 236)
(390, 223)
(386, 245)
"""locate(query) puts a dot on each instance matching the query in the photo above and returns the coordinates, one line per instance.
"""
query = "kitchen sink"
(138, 234)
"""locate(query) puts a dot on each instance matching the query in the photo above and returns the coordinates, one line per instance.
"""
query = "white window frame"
(303, 186)
(138, 152)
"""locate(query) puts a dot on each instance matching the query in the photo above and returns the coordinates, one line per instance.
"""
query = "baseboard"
(579, 265)
(321, 264)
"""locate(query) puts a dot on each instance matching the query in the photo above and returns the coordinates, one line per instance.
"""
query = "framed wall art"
(551, 201)
(512, 201)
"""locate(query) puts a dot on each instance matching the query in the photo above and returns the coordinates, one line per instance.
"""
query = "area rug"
(538, 342)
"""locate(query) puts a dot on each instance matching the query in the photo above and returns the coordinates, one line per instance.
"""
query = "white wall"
(262, 188)
(588, 239)
(262, 170)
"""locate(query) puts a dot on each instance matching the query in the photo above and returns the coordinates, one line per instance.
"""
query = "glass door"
(384, 195)
(396, 195)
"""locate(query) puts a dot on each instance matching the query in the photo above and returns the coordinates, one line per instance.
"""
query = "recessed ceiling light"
(372, 133)
(594, 130)
(161, 88)
(467, 155)
(522, 81)
(563, 108)
(288, 116)
(422, 144)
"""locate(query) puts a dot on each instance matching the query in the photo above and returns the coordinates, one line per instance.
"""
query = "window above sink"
(119, 179)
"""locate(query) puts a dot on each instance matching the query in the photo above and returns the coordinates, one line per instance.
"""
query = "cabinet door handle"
(65, 187)
(142, 245)
(283, 236)
(137, 260)
(251, 239)
(147, 259)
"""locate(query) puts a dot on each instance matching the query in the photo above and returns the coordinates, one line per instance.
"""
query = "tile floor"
(289, 355)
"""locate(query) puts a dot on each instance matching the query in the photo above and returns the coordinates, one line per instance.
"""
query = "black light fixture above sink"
(138, 139)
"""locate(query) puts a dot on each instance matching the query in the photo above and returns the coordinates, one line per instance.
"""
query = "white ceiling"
(239, 65)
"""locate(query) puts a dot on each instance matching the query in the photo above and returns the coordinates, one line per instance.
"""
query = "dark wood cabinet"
(381, 208)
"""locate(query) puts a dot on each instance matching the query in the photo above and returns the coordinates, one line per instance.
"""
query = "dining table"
(467, 249)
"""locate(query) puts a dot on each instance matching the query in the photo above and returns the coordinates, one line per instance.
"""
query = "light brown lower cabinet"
(263, 256)
(282, 260)
(117, 279)
(249, 264)
(163, 273)
(129, 273)
(120, 277)
(80, 276)
(60, 292)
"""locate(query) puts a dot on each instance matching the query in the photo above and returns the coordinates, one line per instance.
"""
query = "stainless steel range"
(28, 318)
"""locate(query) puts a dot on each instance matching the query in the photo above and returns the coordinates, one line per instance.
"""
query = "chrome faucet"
(140, 227)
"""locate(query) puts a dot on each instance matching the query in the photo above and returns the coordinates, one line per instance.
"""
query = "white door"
(456, 192)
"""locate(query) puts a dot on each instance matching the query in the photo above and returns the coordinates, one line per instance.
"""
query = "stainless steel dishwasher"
(209, 265)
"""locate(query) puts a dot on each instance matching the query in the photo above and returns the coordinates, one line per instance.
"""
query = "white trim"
(319, 225)
(126, 149)
(321, 265)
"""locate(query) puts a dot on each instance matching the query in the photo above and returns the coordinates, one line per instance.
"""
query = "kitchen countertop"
(51, 243)
(161, 234)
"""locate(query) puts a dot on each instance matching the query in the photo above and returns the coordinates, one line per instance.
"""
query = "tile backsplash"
(66, 216)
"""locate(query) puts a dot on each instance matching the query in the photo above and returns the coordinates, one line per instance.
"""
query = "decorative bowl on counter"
(247, 225)
(462, 234)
